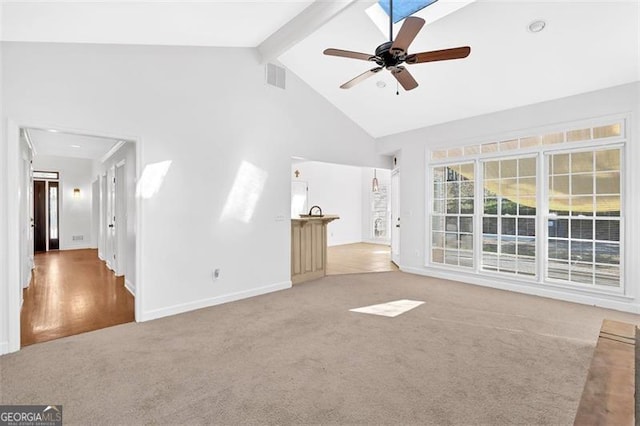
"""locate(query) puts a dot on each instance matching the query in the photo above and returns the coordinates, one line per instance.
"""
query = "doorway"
(71, 290)
(359, 241)
(46, 212)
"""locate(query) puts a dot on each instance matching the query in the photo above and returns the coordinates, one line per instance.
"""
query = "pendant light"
(374, 182)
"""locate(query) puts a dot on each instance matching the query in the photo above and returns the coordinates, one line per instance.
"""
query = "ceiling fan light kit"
(393, 53)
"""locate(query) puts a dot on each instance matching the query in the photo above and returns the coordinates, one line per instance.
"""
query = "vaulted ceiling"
(585, 46)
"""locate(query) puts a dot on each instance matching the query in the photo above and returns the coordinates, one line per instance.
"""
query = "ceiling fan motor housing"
(387, 58)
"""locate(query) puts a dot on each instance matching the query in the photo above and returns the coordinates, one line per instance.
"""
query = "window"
(563, 226)
(46, 175)
(452, 215)
(584, 200)
(509, 216)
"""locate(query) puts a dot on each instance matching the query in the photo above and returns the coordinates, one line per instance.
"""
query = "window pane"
(608, 253)
(608, 230)
(558, 228)
(560, 164)
(53, 212)
(558, 249)
(452, 220)
(608, 183)
(582, 162)
(608, 160)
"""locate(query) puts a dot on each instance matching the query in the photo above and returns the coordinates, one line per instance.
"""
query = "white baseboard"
(80, 247)
(378, 242)
(606, 301)
(109, 265)
(205, 303)
(130, 287)
(28, 280)
(4, 347)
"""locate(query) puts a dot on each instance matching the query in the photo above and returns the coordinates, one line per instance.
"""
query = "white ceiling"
(69, 145)
(156, 22)
(587, 45)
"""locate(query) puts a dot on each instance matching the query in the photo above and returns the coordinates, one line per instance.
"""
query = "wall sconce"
(76, 193)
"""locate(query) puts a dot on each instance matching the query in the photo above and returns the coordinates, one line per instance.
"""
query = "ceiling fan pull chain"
(397, 89)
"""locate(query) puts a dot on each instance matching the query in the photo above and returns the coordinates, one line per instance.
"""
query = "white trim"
(27, 136)
(13, 237)
(377, 242)
(218, 300)
(112, 151)
(26, 283)
(130, 287)
(80, 247)
(4, 347)
(614, 302)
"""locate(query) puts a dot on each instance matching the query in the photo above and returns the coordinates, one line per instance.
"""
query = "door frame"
(395, 215)
(120, 214)
(13, 186)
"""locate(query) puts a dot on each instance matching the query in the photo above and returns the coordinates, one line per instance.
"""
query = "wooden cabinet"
(309, 248)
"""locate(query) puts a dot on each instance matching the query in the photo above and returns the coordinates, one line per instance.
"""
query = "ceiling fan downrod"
(390, 20)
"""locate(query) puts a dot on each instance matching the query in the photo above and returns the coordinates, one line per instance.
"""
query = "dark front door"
(40, 215)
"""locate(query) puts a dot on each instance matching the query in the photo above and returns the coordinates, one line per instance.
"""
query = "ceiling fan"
(393, 53)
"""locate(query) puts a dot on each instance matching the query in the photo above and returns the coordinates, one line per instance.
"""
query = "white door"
(111, 218)
(102, 229)
(120, 220)
(395, 217)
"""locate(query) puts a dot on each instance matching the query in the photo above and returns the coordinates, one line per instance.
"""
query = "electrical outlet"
(216, 274)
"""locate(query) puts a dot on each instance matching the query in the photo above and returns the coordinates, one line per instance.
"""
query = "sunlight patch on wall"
(245, 193)
(152, 178)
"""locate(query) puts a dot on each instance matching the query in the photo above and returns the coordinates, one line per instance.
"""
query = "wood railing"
(608, 397)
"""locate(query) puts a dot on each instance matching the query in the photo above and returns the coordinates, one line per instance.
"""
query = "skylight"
(404, 8)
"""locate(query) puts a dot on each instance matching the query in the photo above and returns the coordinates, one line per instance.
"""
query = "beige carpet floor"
(469, 355)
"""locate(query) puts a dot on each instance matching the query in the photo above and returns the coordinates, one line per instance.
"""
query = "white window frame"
(542, 153)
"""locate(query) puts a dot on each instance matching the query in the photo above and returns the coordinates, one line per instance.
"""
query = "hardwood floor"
(72, 292)
(358, 258)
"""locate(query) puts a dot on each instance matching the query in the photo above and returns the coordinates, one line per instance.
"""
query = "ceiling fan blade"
(439, 55)
(404, 77)
(410, 29)
(362, 77)
(350, 54)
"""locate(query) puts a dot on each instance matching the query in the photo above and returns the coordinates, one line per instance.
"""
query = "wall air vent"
(276, 76)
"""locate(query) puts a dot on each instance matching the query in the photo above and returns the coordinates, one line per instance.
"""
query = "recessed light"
(75, 146)
(381, 84)
(53, 131)
(537, 26)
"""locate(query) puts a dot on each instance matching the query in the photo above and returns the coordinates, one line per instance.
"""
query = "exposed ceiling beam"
(310, 19)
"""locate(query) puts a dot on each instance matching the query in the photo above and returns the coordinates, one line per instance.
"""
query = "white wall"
(127, 153)
(337, 189)
(413, 146)
(75, 213)
(4, 288)
(184, 105)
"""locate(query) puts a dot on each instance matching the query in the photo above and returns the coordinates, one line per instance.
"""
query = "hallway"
(72, 292)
